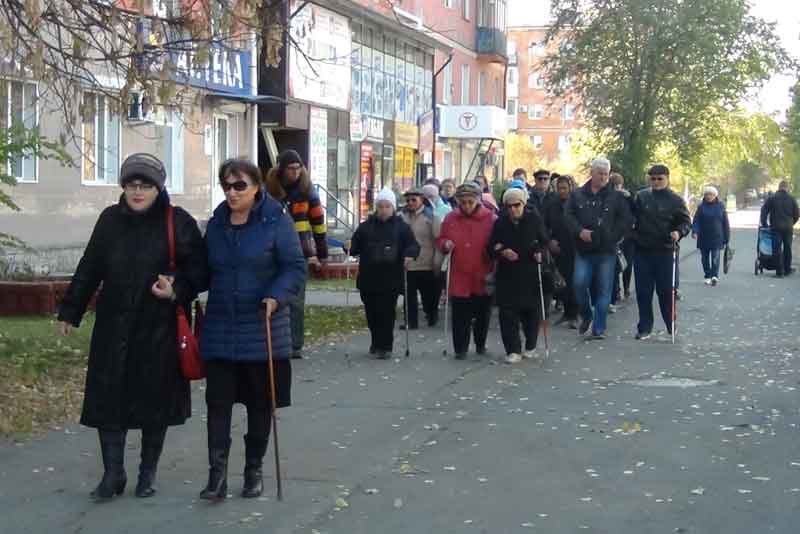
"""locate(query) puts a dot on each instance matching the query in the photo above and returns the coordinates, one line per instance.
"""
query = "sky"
(773, 98)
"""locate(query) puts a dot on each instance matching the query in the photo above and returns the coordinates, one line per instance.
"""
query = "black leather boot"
(255, 448)
(112, 448)
(152, 444)
(217, 487)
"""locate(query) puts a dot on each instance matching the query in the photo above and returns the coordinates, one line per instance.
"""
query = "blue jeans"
(593, 280)
(653, 272)
(710, 259)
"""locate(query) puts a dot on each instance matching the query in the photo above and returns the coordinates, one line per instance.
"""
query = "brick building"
(548, 122)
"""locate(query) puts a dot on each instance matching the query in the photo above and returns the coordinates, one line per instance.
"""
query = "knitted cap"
(430, 191)
(143, 166)
(514, 195)
(469, 188)
(711, 189)
(386, 195)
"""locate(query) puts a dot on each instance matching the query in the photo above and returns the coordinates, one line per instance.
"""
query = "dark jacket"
(517, 282)
(658, 214)
(303, 204)
(539, 201)
(711, 226)
(374, 235)
(133, 378)
(555, 221)
(260, 259)
(605, 213)
(780, 211)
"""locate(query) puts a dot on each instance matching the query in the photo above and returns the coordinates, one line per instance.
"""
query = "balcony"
(492, 44)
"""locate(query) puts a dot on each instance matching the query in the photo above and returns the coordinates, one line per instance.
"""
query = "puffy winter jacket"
(469, 263)
(780, 210)
(658, 214)
(426, 227)
(374, 275)
(260, 259)
(605, 213)
(711, 226)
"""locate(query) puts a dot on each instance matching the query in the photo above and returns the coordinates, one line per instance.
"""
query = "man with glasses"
(661, 221)
(290, 183)
(598, 216)
(539, 195)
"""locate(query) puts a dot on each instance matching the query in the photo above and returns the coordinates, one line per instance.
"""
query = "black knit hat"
(143, 166)
(288, 157)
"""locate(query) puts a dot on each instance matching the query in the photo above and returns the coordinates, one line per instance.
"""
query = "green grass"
(332, 285)
(42, 373)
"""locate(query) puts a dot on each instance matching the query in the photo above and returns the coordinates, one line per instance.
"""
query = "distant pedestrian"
(598, 217)
(449, 192)
(661, 221)
(431, 193)
(488, 197)
(257, 270)
(133, 379)
(290, 184)
(385, 246)
(712, 230)
(562, 247)
(622, 278)
(421, 279)
(516, 243)
(780, 213)
(465, 233)
(540, 194)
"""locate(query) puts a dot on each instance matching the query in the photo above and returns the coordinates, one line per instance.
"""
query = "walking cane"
(674, 290)
(274, 406)
(449, 260)
(405, 306)
(545, 325)
(347, 287)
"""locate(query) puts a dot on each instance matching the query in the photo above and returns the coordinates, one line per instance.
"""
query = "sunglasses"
(239, 186)
(542, 178)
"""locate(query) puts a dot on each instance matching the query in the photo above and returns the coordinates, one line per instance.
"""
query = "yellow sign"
(406, 135)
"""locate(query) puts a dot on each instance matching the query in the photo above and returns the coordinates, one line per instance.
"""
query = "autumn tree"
(659, 70)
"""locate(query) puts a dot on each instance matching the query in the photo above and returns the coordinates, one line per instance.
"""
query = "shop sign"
(318, 148)
(356, 128)
(406, 135)
(374, 128)
(473, 122)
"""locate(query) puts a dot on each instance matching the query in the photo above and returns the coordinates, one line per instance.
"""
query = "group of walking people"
(553, 240)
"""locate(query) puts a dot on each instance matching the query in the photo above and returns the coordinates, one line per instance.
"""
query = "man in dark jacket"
(781, 212)
(661, 221)
(539, 195)
(290, 184)
(598, 217)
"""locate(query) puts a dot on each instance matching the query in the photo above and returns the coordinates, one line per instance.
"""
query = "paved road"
(607, 437)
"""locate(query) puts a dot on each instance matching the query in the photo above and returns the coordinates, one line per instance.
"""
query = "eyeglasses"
(294, 167)
(515, 205)
(134, 187)
(239, 186)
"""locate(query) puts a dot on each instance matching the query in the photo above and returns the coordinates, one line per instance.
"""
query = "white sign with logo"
(473, 122)
(374, 128)
(318, 149)
(319, 57)
(356, 128)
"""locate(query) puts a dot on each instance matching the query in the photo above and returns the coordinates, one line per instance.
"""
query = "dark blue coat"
(711, 226)
(259, 260)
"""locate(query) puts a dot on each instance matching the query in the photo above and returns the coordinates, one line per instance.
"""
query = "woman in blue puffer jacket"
(711, 229)
(256, 266)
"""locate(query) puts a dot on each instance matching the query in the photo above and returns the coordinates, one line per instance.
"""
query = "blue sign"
(227, 70)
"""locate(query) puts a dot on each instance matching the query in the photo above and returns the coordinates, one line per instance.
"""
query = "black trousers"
(424, 283)
(510, 321)
(380, 310)
(782, 249)
(470, 315)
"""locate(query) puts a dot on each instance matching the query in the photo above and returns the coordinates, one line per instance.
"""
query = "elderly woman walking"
(385, 246)
(465, 232)
(516, 242)
(711, 229)
(133, 380)
(257, 268)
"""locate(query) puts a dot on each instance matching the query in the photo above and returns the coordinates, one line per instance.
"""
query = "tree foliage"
(520, 153)
(793, 117)
(656, 71)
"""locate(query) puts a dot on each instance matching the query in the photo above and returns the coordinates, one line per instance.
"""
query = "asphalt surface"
(613, 436)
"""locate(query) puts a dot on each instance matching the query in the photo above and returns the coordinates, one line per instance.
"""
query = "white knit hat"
(387, 195)
(711, 189)
(513, 194)
(430, 191)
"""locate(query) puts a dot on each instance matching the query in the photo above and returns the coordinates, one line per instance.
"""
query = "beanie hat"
(387, 195)
(416, 191)
(711, 189)
(288, 157)
(430, 191)
(513, 194)
(469, 188)
(518, 184)
(143, 166)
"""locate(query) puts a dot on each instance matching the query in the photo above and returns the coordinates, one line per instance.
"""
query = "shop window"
(101, 141)
(20, 109)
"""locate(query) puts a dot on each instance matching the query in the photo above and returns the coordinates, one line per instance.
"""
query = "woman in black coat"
(133, 380)
(562, 247)
(385, 246)
(516, 243)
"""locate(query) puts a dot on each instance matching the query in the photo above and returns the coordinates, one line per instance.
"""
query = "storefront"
(471, 142)
(406, 143)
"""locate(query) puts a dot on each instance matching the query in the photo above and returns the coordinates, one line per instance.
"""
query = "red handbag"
(192, 365)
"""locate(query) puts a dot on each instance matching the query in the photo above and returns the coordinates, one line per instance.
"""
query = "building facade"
(549, 123)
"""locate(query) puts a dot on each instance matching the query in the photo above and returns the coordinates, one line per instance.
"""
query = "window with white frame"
(101, 139)
(465, 85)
(511, 107)
(537, 141)
(497, 96)
(448, 4)
(536, 111)
(447, 83)
(568, 112)
(564, 141)
(170, 145)
(20, 110)
(513, 74)
(465, 11)
(481, 88)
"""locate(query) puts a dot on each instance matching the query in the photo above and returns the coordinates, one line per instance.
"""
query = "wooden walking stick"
(271, 369)
(544, 323)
